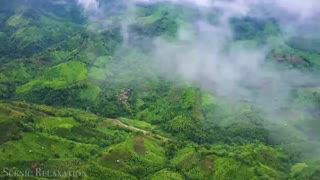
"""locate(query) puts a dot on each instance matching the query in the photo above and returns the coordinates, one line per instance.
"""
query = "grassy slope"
(33, 26)
(70, 75)
(45, 134)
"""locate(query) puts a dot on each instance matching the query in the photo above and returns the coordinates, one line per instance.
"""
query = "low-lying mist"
(206, 53)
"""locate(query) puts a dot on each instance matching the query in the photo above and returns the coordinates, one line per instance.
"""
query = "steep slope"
(29, 27)
(69, 139)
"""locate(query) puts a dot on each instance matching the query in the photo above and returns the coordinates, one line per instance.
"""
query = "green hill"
(72, 139)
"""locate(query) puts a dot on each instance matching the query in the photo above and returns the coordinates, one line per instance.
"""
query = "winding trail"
(133, 128)
(118, 122)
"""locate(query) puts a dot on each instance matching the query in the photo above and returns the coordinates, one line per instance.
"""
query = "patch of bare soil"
(208, 163)
(138, 145)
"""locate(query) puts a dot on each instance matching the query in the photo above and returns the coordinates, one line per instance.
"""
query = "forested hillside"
(157, 90)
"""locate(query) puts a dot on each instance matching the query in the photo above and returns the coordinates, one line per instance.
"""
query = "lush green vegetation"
(73, 99)
(60, 136)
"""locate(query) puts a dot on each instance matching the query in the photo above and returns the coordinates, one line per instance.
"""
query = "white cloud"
(303, 8)
(89, 5)
(203, 58)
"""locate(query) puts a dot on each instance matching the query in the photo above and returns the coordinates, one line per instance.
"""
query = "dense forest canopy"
(166, 89)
